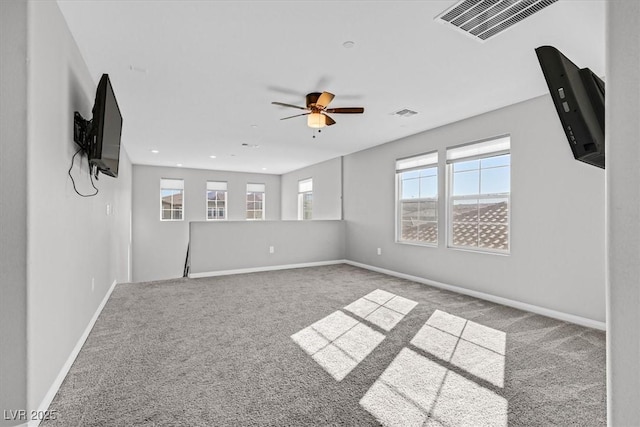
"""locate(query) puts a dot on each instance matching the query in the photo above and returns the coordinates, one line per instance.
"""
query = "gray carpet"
(219, 351)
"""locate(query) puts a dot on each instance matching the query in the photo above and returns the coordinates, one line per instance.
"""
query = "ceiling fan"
(317, 109)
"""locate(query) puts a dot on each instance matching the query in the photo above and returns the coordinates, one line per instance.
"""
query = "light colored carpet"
(333, 345)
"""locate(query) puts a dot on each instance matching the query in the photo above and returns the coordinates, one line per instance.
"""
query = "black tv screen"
(578, 95)
(104, 152)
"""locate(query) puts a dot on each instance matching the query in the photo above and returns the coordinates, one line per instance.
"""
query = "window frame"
(417, 162)
(226, 199)
(480, 196)
(301, 196)
(247, 201)
(167, 181)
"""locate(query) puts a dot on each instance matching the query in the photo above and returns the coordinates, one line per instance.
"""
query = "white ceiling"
(196, 78)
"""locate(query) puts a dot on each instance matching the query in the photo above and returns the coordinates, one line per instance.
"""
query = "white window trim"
(450, 199)
(408, 164)
(177, 184)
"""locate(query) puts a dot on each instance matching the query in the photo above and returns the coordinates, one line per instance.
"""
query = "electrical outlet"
(271, 249)
(379, 251)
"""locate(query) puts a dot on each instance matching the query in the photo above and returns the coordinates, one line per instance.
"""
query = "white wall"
(557, 218)
(13, 206)
(231, 245)
(327, 190)
(160, 247)
(72, 242)
(623, 213)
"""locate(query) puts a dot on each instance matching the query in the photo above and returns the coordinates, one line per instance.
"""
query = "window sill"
(424, 245)
(480, 251)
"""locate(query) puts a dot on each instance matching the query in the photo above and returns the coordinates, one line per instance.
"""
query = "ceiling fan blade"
(324, 100)
(346, 110)
(288, 105)
(297, 115)
(330, 121)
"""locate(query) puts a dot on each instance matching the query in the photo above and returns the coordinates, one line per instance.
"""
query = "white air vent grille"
(483, 19)
(405, 113)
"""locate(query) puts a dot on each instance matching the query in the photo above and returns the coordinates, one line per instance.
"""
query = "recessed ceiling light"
(154, 151)
(179, 164)
(348, 44)
(264, 169)
(213, 157)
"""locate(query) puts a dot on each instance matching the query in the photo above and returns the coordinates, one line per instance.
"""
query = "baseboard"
(44, 405)
(265, 268)
(578, 320)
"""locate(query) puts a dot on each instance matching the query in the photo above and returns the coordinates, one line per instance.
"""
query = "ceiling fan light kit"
(317, 109)
(316, 120)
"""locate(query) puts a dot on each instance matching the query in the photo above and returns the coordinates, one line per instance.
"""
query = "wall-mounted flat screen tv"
(107, 125)
(578, 95)
(100, 137)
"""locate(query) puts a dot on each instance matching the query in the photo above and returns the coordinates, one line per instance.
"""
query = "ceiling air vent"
(405, 113)
(483, 19)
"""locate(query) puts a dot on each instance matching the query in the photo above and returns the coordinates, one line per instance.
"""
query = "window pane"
(409, 210)
(428, 187)
(211, 195)
(429, 172)
(428, 232)
(466, 183)
(489, 162)
(495, 180)
(258, 196)
(410, 188)
(166, 214)
(494, 211)
(411, 174)
(465, 234)
(465, 211)
(409, 231)
(428, 211)
(493, 236)
(222, 195)
(167, 193)
(465, 166)
(177, 214)
(251, 205)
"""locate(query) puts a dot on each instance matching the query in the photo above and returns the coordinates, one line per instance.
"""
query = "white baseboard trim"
(44, 405)
(265, 268)
(578, 320)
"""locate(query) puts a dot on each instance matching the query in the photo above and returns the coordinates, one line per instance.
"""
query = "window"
(255, 201)
(479, 195)
(305, 198)
(171, 199)
(216, 200)
(417, 195)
